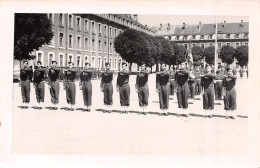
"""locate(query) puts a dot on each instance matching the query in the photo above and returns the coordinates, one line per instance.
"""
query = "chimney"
(224, 24)
(241, 24)
(146, 25)
(168, 26)
(160, 25)
(200, 25)
(135, 16)
(183, 25)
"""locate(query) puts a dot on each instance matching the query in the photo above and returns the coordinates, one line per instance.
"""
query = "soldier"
(54, 85)
(86, 86)
(191, 82)
(69, 84)
(26, 74)
(207, 83)
(197, 73)
(229, 83)
(219, 78)
(181, 77)
(141, 88)
(123, 87)
(38, 82)
(172, 81)
(107, 87)
(162, 87)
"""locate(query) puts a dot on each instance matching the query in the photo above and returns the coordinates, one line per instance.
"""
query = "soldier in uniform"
(142, 88)
(86, 86)
(197, 73)
(219, 78)
(123, 87)
(26, 74)
(69, 84)
(172, 81)
(162, 87)
(191, 82)
(38, 82)
(229, 83)
(54, 85)
(181, 77)
(107, 86)
(207, 83)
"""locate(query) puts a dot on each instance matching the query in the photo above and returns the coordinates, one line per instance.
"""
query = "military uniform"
(142, 87)
(25, 80)
(86, 85)
(197, 82)
(53, 82)
(70, 86)
(107, 86)
(38, 81)
(172, 82)
(181, 78)
(162, 80)
(124, 88)
(230, 98)
(207, 83)
(218, 88)
(191, 82)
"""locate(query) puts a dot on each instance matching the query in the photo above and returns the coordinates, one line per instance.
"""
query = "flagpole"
(216, 45)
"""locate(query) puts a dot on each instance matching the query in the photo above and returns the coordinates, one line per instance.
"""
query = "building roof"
(201, 29)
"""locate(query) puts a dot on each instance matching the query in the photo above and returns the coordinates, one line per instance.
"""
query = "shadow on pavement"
(65, 108)
(196, 115)
(217, 104)
(155, 101)
(190, 102)
(220, 116)
(242, 116)
(196, 99)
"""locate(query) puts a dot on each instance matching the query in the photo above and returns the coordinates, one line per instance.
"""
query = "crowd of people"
(185, 82)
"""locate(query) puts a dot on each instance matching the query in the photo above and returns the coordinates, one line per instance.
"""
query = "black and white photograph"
(149, 85)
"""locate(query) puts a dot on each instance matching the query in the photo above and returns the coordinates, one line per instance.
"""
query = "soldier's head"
(124, 65)
(229, 71)
(39, 63)
(163, 66)
(25, 63)
(196, 67)
(53, 63)
(143, 66)
(87, 65)
(107, 65)
(71, 64)
(208, 68)
(219, 67)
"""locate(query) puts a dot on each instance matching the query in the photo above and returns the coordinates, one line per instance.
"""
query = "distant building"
(203, 35)
(83, 38)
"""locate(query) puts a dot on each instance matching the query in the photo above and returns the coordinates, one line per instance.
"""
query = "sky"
(155, 20)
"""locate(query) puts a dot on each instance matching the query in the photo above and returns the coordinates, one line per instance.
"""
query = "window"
(86, 44)
(93, 44)
(39, 56)
(99, 45)
(78, 42)
(210, 44)
(70, 58)
(86, 25)
(228, 44)
(105, 60)
(78, 23)
(237, 45)
(51, 58)
(110, 31)
(120, 31)
(99, 63)
(105, 46)
(236, 35)
(228, 36)
(115, 63)
(61, 22)
(61, 40)
(115, 32)
(246, 44)
(202, 46)
(110, 61)
(193, 45)
(219, 45)
(93, 27)
(70, 21)
(51, 17)
(186, 46)
(93, 61)
(61, 60)
(78, 61)
(86, 60)
(105, 30)
(202, 37)
(99, 29)
(52, 43)
(110, 47)
(70, 40)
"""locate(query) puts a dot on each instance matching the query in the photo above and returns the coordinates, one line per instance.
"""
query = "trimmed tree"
(209, 55)
(167, 51)
(197, 54)
(31, 32)
(241, 54)
(227, 54)
(180, 54)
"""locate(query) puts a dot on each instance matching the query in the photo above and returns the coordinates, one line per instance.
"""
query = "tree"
(180, 54)
(167, 51)
(241, 54)
(209, 55)
(31, 32)
(197, 54)
(227, 54)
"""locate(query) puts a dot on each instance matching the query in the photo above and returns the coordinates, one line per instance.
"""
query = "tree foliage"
(180, 54)
(31, 32)
(241, 54)
(209, 55)
(227, 54)
(197, 53)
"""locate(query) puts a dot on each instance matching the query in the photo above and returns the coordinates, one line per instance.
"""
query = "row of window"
(115, 64)
(112, 33)
(212, 44)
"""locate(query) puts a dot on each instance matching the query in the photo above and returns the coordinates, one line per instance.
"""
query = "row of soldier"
(184, 82)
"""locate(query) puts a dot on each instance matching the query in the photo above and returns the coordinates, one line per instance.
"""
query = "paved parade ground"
(75, 132)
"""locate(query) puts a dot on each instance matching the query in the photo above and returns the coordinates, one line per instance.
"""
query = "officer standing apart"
(207, 82)
(162, 87)
(107, 87)
(191, 82)
(69, 84)
(26, 74)
(123, 87)
(85, 85)
(219, 78)
(38, 82)
(142, 88)
(197, 73)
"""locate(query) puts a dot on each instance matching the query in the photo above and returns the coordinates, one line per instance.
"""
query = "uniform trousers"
(40, 91)
(182, 95)
(25, 89)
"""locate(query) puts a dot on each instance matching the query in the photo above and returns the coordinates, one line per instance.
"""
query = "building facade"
(204, 35)
(82, 38)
